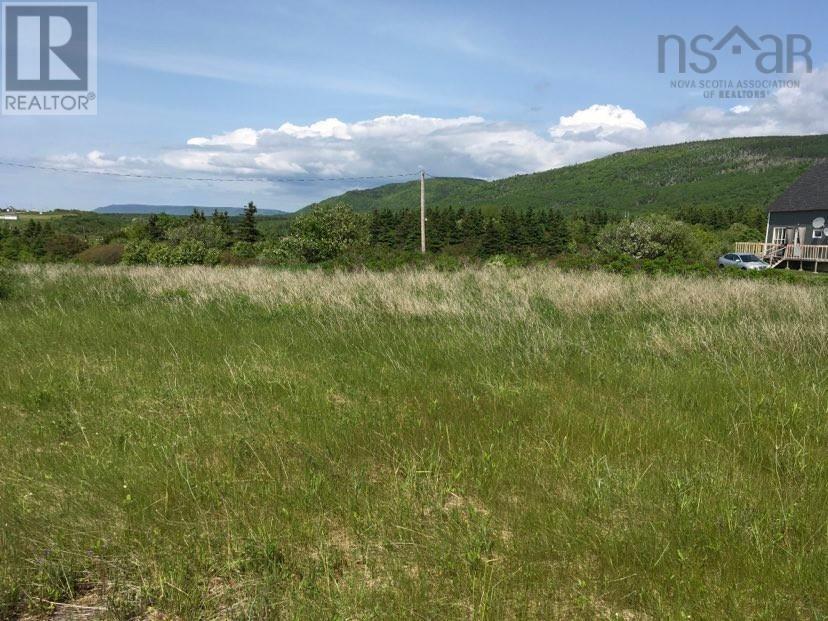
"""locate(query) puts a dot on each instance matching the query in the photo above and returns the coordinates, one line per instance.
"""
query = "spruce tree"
(514, 237)
(408, 230)
(389, 223)
(247, 229)
(454, 226)
(558, 233)
(533, 229)
(474, 224)
(154, 230)
(375, 227)
(492, 242)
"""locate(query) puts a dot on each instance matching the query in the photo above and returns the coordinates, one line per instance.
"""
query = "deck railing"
(780, 252)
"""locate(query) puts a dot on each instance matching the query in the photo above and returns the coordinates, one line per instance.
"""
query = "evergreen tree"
(389, 220)
(247, 229)
(514, 237)
(454, 226)
(408, 230)
(436, 230)
(492, 242)
(375, 227)
(473, 225)
(154, 230)
(557, 232)
(533, 229)
(221, 220)
(197, 216)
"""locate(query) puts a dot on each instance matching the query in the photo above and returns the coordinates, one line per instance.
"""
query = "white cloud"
(245, 137)
(329, 128)
(97, 160)
(471, 145)
(601, 120)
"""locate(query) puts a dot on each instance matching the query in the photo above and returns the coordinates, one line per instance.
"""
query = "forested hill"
(731, 173)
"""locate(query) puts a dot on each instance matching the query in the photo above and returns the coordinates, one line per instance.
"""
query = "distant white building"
(8, 213)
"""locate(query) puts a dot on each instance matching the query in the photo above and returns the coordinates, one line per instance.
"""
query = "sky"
(279, 93)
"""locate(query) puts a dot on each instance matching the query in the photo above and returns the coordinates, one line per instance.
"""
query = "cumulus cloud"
(600, 120)
(471, 145)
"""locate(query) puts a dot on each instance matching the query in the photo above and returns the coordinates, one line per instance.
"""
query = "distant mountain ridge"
(177, 210)
(736, 173)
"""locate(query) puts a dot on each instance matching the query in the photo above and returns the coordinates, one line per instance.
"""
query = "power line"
(109, 173)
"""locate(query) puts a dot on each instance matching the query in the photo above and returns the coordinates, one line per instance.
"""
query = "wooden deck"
(777, 254)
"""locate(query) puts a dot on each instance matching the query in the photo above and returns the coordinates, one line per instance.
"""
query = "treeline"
(35, 241)
(467, 231)
(336, 235)
(718, 218)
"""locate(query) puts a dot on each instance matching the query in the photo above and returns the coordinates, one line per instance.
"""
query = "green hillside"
(734, 172)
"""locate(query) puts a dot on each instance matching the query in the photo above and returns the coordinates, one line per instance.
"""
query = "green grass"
(740, 173)
(483, 444)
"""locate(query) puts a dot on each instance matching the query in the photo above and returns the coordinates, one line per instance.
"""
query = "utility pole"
(422, 212)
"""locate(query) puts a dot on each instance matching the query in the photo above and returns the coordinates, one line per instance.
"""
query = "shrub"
(503, 260)
(328, 231)
(108, 254)
(710, 243)
(160, 254)
(649, 238)
(283, 252)
(137, 252)
(189, 252)
(212, 257)
(210, 235)
(576, 262)
(244, 250)
(62, 246)
(228, 258)
(739, 232)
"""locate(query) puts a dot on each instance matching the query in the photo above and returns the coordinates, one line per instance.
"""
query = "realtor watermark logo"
(49, 58)
(773, 56)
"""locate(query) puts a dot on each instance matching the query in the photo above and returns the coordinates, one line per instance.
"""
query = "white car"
(743, 262)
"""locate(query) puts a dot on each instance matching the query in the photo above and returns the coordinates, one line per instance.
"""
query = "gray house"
(797, 232)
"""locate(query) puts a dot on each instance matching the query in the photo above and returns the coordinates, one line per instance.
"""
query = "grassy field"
(486, 444)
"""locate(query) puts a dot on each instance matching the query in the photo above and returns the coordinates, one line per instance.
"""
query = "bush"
(576, 262)
(109, 254)
(504, 260)
(208, 234)
(739, 232)
(228, 258)
(212, 257)
(328, 231)
(62, 246)
(649, 238)
(189, 252)
(244, 250)
(137, 252)
(160, 254)
(283, 252)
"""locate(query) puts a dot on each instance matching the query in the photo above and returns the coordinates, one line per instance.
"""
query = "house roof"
(808, 193)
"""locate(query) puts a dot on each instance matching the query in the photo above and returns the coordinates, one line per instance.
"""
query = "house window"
(778, 235)
(817, 233)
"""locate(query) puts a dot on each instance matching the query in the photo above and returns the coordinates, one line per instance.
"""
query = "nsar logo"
(772, 53)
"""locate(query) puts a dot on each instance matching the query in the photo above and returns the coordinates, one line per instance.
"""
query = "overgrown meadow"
(226, 443)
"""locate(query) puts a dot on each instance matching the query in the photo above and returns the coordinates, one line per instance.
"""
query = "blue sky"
(329, 88)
